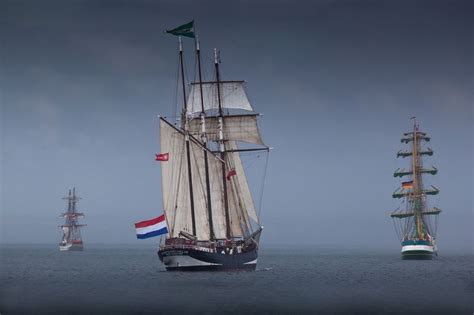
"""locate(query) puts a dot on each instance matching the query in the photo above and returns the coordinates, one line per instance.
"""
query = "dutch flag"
(150, 228)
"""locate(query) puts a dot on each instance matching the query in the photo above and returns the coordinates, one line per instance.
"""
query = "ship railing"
(186, 246)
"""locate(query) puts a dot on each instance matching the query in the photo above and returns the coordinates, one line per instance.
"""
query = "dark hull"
(417, 255)
(189, 259)
(213, 268)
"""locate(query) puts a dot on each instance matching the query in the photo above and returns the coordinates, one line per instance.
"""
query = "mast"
(73, 210)
(185, 127)
(204, 140)
(69, 203)
(417, 189)
(222, 146)
(74, 200)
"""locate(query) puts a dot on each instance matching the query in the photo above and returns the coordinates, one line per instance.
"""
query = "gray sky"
(82, 83)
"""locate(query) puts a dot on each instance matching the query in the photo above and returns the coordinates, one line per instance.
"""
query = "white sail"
(239, 225)
(235, 128)
(175, 186)
(240, 184)
(233, 96)
(216, 192)
(174, 181)
(66, 233)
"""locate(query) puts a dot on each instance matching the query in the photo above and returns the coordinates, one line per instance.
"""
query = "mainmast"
(74, 200)
(222, 145)
(417, 186)
(185, 127)
(204, 141)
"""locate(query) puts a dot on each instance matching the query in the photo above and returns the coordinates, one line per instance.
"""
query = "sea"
(128, 279)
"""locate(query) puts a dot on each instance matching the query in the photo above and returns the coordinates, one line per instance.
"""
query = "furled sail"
(401, 153)
(402, 172)
(233, 96)
(420, 136)
(235, 128)
(400, 215)
(400, 193)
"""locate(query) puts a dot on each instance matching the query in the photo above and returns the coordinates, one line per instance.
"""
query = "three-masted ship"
(71, 239)
(210, 213)
(415, 221)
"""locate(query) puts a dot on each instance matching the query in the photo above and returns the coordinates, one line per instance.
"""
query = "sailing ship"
(416, 223)
(210, 212)
(71, 240)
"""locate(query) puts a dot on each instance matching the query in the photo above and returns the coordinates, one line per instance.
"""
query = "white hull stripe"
(253, 262)
(425, 248)
(185, 261)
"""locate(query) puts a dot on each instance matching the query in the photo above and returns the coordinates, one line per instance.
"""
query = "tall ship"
(71, 240)
(415, 221)
(209, 208)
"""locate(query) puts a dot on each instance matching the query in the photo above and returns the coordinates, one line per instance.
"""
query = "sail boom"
(246, 150)
(215, 82)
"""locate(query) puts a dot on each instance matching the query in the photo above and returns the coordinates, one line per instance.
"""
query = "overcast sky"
(83, 81)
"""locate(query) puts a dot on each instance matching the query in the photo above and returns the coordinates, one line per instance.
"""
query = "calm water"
(126, 279)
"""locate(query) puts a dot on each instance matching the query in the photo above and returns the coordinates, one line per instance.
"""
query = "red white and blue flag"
(150, 228)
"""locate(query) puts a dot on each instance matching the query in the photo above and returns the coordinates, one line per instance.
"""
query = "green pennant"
(183, 30)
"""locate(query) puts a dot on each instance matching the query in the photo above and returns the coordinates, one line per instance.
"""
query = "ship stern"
(417, 250)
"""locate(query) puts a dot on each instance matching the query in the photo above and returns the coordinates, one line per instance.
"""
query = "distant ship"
(209, 209)
(71, 240)
(416, 223)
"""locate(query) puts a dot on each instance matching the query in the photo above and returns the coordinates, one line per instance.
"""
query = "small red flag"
(162, 157)
(231, 173)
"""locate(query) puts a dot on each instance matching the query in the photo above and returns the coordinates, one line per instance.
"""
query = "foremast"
(418, 226)
(184, 126)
